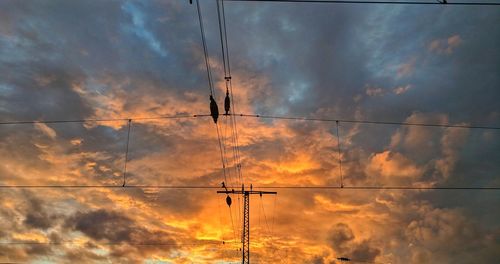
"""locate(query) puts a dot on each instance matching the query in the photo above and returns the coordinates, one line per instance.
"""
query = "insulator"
(214, 109)
(227, 103)
(229, 201)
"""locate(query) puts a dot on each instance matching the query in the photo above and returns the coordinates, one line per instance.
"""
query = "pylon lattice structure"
(245, 234)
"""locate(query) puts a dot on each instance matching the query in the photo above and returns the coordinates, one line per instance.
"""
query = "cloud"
(447, 229)
(37, 216)
(342, 240)
(51, 133)
(378, 91)
(140, 30)
(451, 143)
(446, 45)
(340, 236)
(113, 227)
(102, 224)
(393, 167)
(365, 252)
(374, 91)
(406, 69)
(95, 59)
(401, 89)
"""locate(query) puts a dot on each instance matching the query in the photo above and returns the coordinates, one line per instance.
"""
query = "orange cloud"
(446, 45)
(393, 167)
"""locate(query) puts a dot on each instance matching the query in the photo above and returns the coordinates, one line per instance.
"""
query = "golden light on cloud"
(128, 168)
(392, 165)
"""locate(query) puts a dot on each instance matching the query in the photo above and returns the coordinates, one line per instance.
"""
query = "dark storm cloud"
(37, 215)
(298, 52)
(365, 252)
(340, 236)
(82, 256)
(102, 224)
(42, 57)
(341, 239)
(43, 250)
(326, 59)
(113, 227)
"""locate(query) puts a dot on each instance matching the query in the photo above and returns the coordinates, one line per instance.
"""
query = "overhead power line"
(358, 121)
(96, 120)
(375, 2)
(377, 188)
(369, 122)
(201, 243)
(195, 187)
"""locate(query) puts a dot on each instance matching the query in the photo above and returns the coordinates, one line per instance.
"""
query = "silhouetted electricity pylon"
(245, 234)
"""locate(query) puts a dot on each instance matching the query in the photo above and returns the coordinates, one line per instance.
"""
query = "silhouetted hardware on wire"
(214, 109)
(245, 235)
(227, 103)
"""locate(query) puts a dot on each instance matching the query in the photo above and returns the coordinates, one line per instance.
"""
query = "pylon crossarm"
(243, 192)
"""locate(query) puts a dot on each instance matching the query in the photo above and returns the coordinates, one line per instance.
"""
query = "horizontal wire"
(96, 120)
(369, 122)
(324, 187)
(118, 243)
(378, 188)
(256, 116)
(372, 2)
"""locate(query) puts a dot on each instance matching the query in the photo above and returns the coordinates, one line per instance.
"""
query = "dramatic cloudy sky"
(121, 59)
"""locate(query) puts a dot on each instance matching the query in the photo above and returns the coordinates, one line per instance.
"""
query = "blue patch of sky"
(138, 28)
(14, 49)
(6, 89)
(297, 90)
(375, 34)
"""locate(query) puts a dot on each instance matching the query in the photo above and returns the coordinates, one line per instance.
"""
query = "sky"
(73, 60)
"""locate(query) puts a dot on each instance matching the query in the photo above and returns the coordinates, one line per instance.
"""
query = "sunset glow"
(129, 170)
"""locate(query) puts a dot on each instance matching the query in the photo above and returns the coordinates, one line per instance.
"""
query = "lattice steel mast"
(245, 234)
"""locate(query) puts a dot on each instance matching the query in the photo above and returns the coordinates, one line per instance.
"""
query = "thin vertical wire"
(272, 226)
(205, 49)
(232, 223)
(239, 217)
(225, 158)
(340, 158)
(225, 38)
(228, 80)
(220, 225)
(221, 38)
(265, 217)
(229, 163)
(221, 153)
(126, 153)
(236, 139)
(220, 219)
